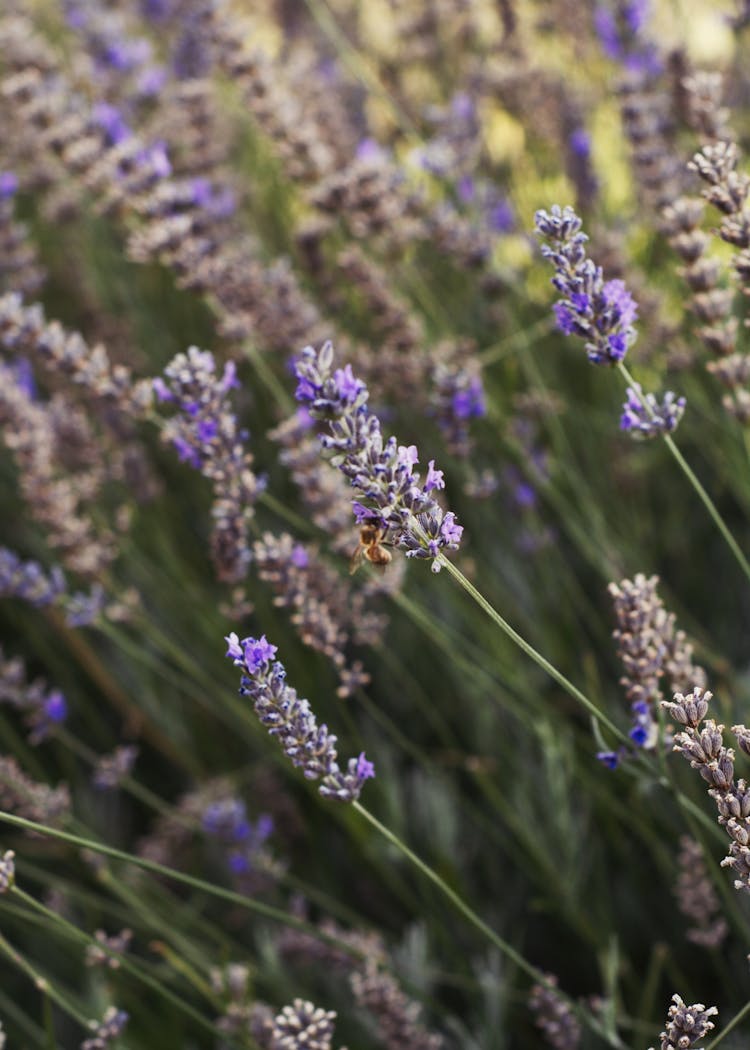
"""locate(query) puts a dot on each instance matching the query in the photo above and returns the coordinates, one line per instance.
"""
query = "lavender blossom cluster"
(644, 417)
(381, 472)
(291, 720)
(206, 435)
(601, 312)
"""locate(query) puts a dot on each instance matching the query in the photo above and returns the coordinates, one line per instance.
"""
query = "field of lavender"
(375, 481)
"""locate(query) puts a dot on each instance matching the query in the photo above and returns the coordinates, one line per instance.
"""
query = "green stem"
(704, 497)
(740, 1016)
(82, 937)
(42, 983)
(530, 651)
(502, 945)
(267, 910)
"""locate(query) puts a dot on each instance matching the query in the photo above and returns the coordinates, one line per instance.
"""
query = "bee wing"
(356, 559)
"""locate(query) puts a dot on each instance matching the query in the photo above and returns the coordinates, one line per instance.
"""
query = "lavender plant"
(266, 182)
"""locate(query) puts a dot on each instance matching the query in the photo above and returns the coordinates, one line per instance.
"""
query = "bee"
(370, 546)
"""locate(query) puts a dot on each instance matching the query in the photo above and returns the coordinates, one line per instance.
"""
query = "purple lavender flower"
(218, 201)
(370, 150)
(620, 34)
(500, 217)
(151, 80)
(107, 1030)
(644, 417)
(381, 472)
(112, 123)
(644, 732)
(610, 759)
(291, 720)
(8, 184)
(579, 141)
(226, 819)
(468, 401)
(28, 580)
(601, 312)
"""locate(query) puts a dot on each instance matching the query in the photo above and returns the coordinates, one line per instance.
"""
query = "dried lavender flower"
(27, 580)
(650, 648)
(702, 745)
(44, 707)
(303, 1025)
(387, 491)
(601, 312)
(107, 1030)
(697, 898)
(25, 329)
(30, 799)
(554, 1016)
(394, 1014)
(99, 954)
(110, 769)
(686, 1024)
(292, 721)
(643, 416)
(7, 871)
(207, 436)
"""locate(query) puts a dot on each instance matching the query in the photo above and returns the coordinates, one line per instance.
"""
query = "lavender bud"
(7, 871)
(686, 1024)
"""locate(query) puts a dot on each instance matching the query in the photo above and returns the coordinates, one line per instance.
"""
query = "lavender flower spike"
(386, 488)
(291, 720)
(644, 417)
(601, 312)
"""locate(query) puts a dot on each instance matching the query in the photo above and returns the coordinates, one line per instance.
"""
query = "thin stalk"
(239, 899)
(502, 945)
(704, 497)
(515, 341)
(530, 651)
(42, 983)
(125, 964)
(738, 1017)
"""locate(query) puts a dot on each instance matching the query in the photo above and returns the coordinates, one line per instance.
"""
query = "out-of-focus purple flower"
(300, 558)
(636, 15)
(602, 313)
(621, 36)
(525, 495)
(25, 377)
(111, 121)
(468, 402)
(56, 707)
(643, 416)
(610, 759)
(380, 472)
(156, 157)
(605, 25)
(8, 185)
(365, 768)
(579, 141)
(290, 719)
(156, 10)
(463, 106)
(500, 216)
(370, 150)
(218, 201)
(466, 190)
(126, 55)
(151, 80)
